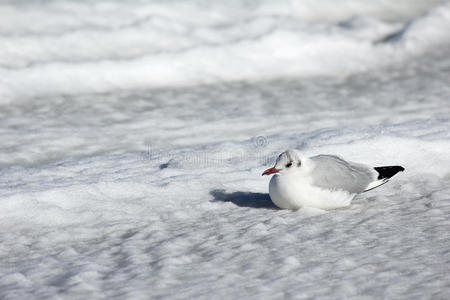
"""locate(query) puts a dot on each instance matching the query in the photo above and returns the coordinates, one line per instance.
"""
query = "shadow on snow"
(244, 199)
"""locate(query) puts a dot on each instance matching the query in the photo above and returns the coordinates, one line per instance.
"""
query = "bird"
(322, 181)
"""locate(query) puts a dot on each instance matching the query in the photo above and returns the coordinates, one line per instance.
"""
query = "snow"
(134, 135)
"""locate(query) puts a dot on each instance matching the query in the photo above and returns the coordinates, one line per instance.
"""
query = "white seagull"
(322, 181)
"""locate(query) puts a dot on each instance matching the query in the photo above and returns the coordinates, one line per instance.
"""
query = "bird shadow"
(244, 199)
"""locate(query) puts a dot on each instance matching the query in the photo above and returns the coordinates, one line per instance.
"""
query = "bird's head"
(287, 162)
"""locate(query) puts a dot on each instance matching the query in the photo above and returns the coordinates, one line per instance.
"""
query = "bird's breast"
(287, 193)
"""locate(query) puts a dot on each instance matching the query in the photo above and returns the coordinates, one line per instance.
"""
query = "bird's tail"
(384, 174)
(388, 172)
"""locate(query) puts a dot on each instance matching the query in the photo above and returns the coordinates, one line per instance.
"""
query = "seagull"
(322, 181)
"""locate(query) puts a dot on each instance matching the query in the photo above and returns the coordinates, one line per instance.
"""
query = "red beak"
(270, 171)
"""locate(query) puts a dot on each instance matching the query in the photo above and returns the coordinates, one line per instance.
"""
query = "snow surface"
(134, 134)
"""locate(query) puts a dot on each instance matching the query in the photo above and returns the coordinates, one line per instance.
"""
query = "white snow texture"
(134, 134)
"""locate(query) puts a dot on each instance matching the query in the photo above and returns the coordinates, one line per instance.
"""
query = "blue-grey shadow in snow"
(244, 199)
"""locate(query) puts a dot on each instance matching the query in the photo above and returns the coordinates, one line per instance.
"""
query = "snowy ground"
(134, 135)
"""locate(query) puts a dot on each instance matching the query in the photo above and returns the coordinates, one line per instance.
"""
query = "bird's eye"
(299, 164)
(288, 165)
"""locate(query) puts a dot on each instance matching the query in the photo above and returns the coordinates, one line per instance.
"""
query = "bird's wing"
(332, 172)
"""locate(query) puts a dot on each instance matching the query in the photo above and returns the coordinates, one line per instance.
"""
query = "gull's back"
(334, 173)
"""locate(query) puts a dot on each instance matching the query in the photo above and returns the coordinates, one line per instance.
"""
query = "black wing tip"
(388, 171)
